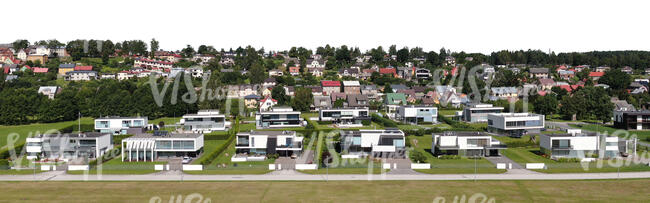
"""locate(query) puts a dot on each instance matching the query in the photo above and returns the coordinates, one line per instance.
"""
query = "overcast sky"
(472, 26)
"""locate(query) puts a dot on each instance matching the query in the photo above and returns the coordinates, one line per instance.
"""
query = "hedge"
(232, 133)
(383, 121)
(117, 139)
(4, 164)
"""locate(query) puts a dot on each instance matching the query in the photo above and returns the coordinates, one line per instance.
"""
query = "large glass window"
(101, 124)
(187, 144)
(163, 144)
(561, 143)
(126, 123)
(138, 123)
(356, 140)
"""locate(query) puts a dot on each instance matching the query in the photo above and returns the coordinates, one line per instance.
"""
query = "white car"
(186, 160)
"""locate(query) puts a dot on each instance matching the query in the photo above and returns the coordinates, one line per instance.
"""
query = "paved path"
(514, 174)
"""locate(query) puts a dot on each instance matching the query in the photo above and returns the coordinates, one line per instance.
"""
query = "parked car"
(187, 160)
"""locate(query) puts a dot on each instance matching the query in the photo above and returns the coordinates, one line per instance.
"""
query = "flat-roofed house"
(205, 121)
(119, 125)
(515, 124)
(250, 144)
(278, 117)
(585, 145)
(387, 143)
(345, 117)
(417, 114)
(68, 146)
(151, 147)
(468, 144)
(474, 113)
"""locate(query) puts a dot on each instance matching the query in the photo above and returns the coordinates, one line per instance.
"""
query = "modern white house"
(255, 145)
(470, 144)
(119, 125)
(417, 114)
(345, 117)
(515, 124)
(585, 145)
(278, 117)
(475, 113)
(205, 121)
(377, 143)
(68, 146)
(151, 147)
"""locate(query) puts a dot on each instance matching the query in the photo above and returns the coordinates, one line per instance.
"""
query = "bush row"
(383, 121)
(232, 134)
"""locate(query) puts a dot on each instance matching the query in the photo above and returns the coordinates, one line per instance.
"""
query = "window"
(561, 143)
(490, 122)
(138, 123)
(163, 144)
(126, 123)
(356, 140)
(252, 141)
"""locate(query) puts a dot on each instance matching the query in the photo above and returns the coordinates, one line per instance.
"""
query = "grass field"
(448, 112)
(449, 166)
(32, 129)
(332, 191)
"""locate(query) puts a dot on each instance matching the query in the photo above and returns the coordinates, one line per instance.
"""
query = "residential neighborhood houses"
(245, 110)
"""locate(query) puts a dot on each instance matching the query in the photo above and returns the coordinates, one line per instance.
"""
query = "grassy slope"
(332, 191)
(24, 130)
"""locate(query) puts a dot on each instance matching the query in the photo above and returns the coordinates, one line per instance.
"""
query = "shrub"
(4, 164)
(383, 121)
(417, 156)
(117, 139)
(220, 149)
(568, 160)
(272, 156)
(449, 157)
(366, 122)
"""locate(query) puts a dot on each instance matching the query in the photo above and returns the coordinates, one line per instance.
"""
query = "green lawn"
(643, 135)
(448, 112)
(528, 155)
(166, 120)
(209, 146)
(33, 129)
(249, 167)
(331, 191)
(117, 166)
(449, 166)
(415, 127)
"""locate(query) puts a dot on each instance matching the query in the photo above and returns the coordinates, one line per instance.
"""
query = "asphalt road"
(295, 176)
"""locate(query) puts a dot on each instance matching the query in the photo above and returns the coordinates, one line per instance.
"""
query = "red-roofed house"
(388, 71)
(84, 68)
(267, 103)
(330, 86)
(40, 70)
(294, 71)
(596, 75)
(570, 88)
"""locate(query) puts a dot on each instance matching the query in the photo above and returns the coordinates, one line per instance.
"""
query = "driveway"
(503, 159)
